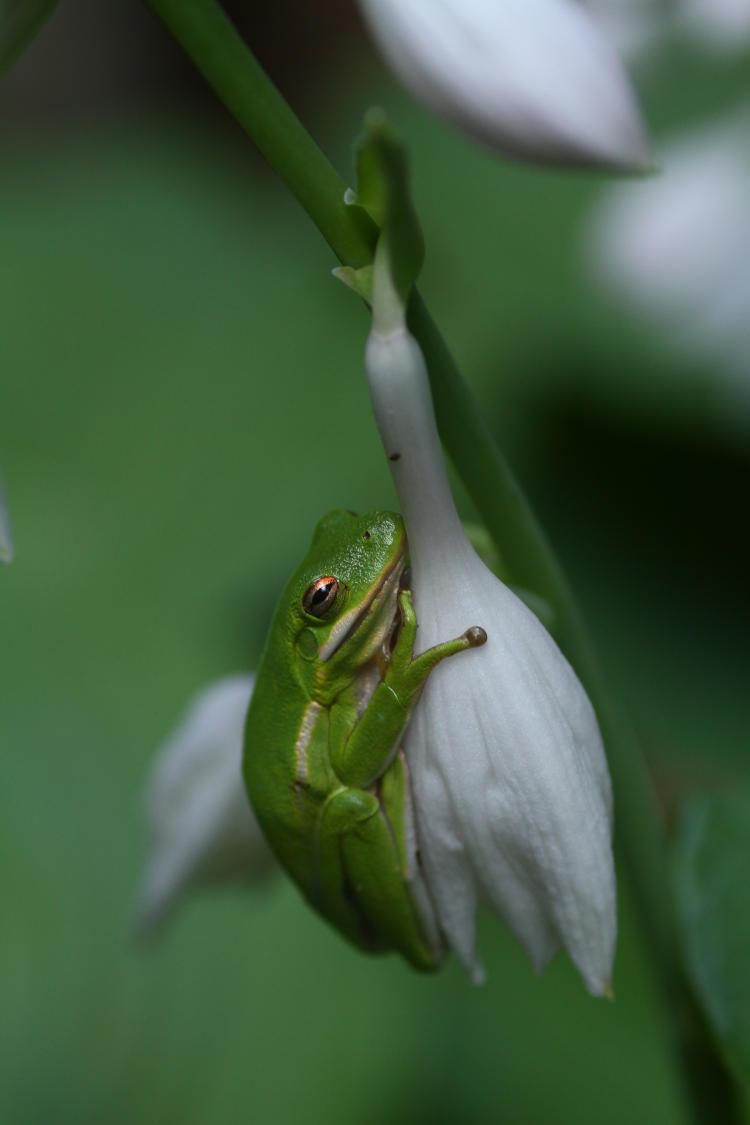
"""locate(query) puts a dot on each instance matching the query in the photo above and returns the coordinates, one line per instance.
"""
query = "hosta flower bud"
(511, 787)
(203, 829)
(534, 79)
(6, 538)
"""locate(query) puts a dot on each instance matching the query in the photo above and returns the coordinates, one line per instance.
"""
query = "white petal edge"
(535, 79)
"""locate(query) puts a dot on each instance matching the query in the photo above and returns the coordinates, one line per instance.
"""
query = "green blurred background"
(182, 398)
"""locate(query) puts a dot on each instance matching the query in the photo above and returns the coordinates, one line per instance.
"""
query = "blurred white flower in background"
(535, 79)
(677, 247)
(6, 537)
(201, 824)
(722, 25)
(634, 26)
(510, 781)
(639, 27)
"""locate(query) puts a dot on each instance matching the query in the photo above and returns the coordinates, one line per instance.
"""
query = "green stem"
(211, 41)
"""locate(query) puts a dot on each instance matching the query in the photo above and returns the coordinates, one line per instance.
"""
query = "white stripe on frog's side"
(364, 687)
(305, 733)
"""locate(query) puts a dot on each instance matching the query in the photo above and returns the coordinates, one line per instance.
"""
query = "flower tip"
(642, 168)
(477, 975)
(640, 160)
(598, 985)
(165, 881)
(148, 916)
(623, 148)
(648, 167)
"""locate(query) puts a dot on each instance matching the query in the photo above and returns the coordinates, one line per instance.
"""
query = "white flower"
(678, 246)
(203, 829)
(510, 779)
(723, 25)
(535, 79)
(6, 538)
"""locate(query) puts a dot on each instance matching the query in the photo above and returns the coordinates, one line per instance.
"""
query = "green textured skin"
(323, 768)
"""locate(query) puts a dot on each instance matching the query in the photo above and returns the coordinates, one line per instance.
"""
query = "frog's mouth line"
(344, 629)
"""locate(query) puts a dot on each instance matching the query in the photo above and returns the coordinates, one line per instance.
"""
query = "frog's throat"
(347, 626)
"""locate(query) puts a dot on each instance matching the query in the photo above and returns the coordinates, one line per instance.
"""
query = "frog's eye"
(320, 595)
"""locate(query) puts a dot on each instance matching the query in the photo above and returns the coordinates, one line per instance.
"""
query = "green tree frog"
(324, 769)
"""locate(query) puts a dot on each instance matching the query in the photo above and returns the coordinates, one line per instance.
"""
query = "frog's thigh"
(376, 877)
(331, 893)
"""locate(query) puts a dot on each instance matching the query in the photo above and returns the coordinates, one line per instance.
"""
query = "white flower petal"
(511, 785)
(6, 537)
(535, 79)
(512, 737)
(203, 829)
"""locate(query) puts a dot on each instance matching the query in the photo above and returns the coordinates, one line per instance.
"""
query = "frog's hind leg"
(362, 869)
(332, 892)
(376, 861)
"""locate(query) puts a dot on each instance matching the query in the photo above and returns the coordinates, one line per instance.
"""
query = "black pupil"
(321, 593)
